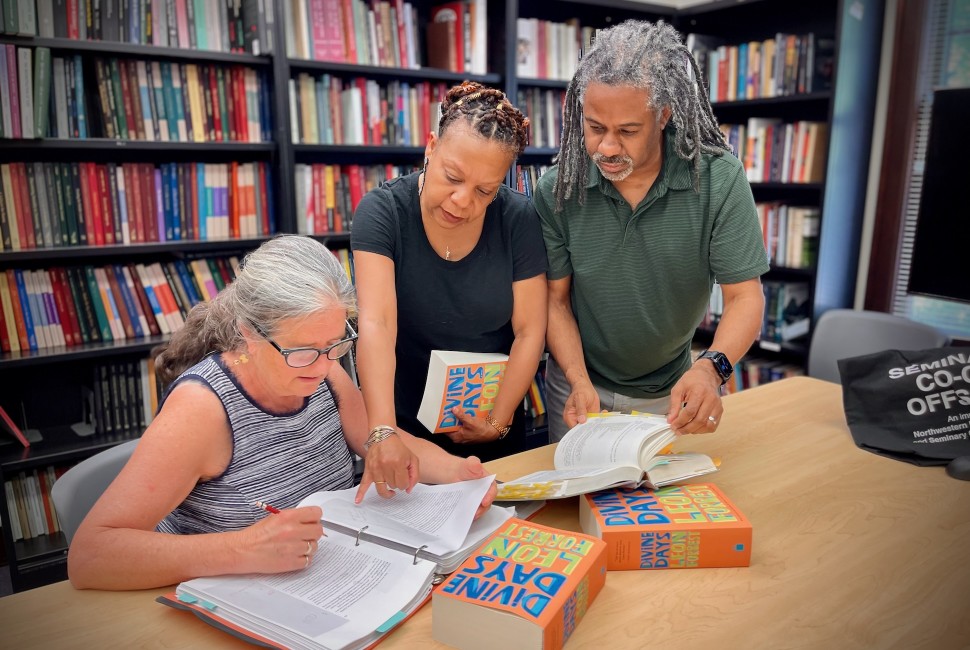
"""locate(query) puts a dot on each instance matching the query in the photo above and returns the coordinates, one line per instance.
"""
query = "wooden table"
(851, 550)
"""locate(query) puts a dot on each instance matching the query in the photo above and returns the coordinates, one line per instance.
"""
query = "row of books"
(352, 31)
(87, 203)
(28, 495)
(787, 64)
(333, 111)
(550, 50)
(231, 26)
(127, 99)
(543, 107)
(534, 403)
(24, 91)
(773, 151)
(58, 307)
(526, 177)
(122, 398)
(458, 36)
(327, 195)
(787, 313)
(752, 371)
(791, 234)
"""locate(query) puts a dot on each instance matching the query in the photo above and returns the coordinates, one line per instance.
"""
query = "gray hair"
(642, 55)
(289, 276)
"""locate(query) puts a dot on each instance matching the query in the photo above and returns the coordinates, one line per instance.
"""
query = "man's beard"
(615, 177)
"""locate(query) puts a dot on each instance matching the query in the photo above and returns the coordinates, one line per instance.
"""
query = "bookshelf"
(41, 387)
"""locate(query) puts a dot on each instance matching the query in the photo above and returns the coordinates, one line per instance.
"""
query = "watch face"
(721, 363)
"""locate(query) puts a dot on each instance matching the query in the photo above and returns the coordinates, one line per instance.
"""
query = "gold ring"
(306, 561)
(380, 482)
(309, 547)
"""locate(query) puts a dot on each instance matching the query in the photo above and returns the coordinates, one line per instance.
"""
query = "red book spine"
(95, 221)
(63, 311)
(216, 111)
(133, 195)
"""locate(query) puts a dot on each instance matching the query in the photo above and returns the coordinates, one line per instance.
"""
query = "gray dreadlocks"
(642, 55)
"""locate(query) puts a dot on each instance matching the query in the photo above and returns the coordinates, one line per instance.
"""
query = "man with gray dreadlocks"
(636, 240)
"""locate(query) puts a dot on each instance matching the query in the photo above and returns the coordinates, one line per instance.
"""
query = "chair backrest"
(844, 333)
(76, 491)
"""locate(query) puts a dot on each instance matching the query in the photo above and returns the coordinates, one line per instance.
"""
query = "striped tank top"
(276, 458)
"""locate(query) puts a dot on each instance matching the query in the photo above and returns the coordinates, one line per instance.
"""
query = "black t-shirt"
(442, 305)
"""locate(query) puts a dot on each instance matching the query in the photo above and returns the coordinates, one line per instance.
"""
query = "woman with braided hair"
(636, 239)
(451, 258)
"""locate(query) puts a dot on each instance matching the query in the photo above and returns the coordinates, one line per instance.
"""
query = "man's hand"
(390, 465)
(582, 400)
(695, 401)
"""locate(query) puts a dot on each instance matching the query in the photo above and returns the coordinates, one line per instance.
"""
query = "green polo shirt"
(642, 278)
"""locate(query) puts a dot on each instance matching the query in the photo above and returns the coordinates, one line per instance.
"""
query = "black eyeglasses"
(303, 357)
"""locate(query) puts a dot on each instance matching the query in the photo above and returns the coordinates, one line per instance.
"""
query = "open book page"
(560, 483)
(339, 601)
(671, 468)
(614, 440)
(435, 516)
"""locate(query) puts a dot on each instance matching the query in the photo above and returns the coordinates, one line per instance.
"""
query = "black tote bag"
(913, 406)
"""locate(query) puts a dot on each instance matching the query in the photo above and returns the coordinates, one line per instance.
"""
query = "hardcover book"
(676, 527)
(374, 568)
(610, 451)
(527, 586)
(469, 380)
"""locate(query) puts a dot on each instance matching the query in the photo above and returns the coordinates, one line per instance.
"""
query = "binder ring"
(357, 542)
(418, 550)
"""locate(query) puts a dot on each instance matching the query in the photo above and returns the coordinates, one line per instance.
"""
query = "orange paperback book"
(676, 527)
(469, 380)
(527, 586)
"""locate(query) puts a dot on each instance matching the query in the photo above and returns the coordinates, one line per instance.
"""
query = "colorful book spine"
(527, 586)
(676, 527)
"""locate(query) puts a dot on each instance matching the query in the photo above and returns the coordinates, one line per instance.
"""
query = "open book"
(467, 379)
(374, 568)
(610, 451)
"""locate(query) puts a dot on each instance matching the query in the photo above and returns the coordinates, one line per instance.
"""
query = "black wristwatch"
(721, 363)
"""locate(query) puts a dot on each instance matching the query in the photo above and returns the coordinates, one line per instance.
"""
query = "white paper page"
(344, 595)
(612, 440)
(436, 516)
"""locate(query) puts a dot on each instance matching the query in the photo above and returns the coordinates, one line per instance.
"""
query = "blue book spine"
(183, 272)
(168, 98)
(39, 309)
(25, 307)
(167, 201)
(152, 299)
(159, 206)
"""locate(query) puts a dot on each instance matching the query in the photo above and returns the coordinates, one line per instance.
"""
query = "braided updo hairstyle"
(488, 112)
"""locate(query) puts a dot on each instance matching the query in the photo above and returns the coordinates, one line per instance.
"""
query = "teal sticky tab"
(390, 623)
(187, 598)
(209, 606)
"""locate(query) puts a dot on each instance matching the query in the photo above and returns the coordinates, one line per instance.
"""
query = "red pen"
(270, 509)
(267, 507)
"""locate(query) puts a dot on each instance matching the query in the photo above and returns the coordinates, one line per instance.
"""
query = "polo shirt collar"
(675, 173)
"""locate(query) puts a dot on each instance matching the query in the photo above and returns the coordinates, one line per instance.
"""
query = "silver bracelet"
(379, 433)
